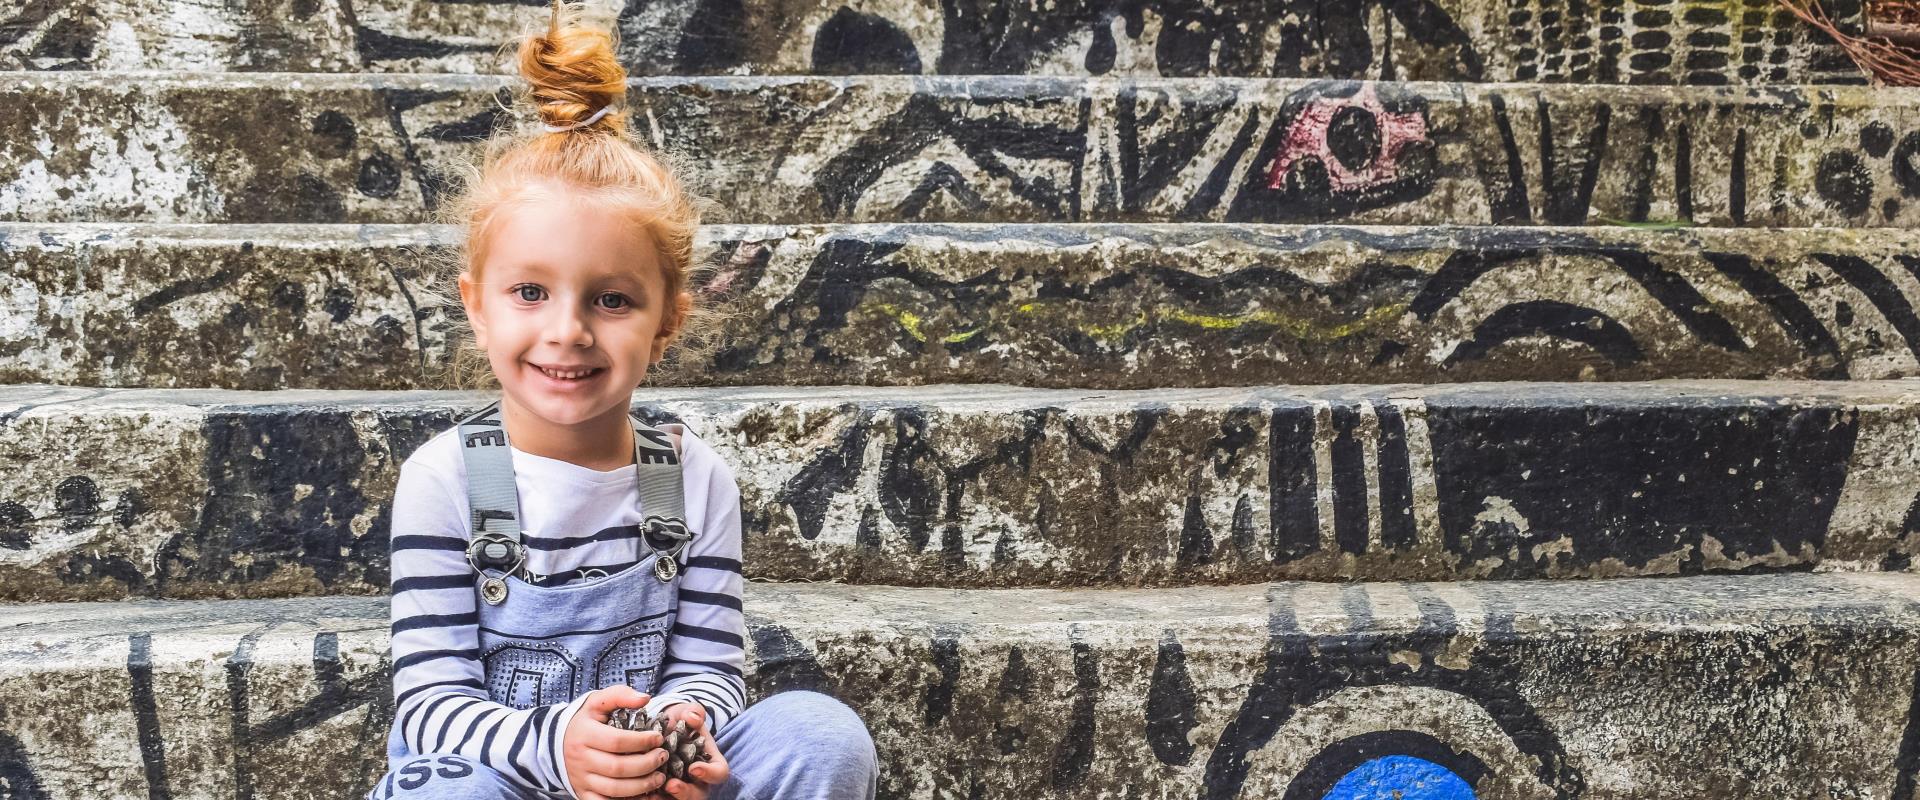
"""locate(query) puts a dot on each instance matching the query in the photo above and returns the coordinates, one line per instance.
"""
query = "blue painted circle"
(1400, 778)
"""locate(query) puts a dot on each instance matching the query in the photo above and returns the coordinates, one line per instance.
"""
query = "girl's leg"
(446, 777)
(798, 746)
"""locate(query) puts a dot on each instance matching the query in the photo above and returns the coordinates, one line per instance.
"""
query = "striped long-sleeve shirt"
(572, 517)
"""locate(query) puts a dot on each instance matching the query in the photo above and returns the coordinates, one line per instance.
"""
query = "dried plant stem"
(1886, 61)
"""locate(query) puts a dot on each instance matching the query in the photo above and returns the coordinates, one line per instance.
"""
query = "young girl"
(553, 557)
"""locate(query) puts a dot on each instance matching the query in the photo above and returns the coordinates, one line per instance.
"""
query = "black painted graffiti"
(1500, 478)
(829, 316)
(1540, 488)
(1654, 483)
(1000, 148)
(1387, 39)
(18, 778)
(782, 662)
(1335, 148)
(1304, 669)
(336, 695)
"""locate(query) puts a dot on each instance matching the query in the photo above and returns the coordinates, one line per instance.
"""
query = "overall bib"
(548, 639)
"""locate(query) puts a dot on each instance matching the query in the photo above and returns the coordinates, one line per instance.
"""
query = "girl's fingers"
(624, 787)
(682, 790)
(614, 740)
(624, 765)
(604, 701)
(714, 770)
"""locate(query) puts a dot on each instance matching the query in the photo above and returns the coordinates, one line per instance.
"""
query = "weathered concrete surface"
(165, 147)
(230, 494)
(1115, 306)
(1751, 686)
(1708, 42)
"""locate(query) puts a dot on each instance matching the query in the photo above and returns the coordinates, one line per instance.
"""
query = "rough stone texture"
(360, 148)
(227, 494)
(1751, 686)
(1112, 306)
(1709, 42)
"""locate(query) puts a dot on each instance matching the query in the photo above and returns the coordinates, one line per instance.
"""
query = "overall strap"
(490, 489)
(495, 501)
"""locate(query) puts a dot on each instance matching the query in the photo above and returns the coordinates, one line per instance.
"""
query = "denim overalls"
(548, 641)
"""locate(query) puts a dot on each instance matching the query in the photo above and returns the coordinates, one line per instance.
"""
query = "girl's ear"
(470, 298)
(683, 308)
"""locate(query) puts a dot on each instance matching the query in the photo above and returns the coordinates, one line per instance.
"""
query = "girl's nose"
(565, 325)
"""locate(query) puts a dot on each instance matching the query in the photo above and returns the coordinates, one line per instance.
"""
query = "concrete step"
(214, 147)
(1708, 42)
(1716, 686)
(267, 307)
(195, 493)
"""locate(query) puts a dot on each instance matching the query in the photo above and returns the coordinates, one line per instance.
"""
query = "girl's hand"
(605, 762)
(709, 773)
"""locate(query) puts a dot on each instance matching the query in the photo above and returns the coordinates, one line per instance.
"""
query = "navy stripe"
(713, 682)
(484, 716)
(570, 542)
(434, 744)
(554, 758)
(714, 665)
(710, 598)
(714, 562)
(486, 745)
(470, 683)
(519, 741)
(711, 699)
(419, 621)
(675, 680)
(575, 633)
(411, 542)
(709, 634)
(433, 582)
(425, 710)
(440, 738)
(428, 655)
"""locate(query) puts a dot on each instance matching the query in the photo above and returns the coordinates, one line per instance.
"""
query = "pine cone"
(684, 745)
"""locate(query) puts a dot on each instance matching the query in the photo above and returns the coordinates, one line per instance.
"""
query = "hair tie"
(581, 124)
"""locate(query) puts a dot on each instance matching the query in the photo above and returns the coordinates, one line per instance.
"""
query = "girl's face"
(569, 287)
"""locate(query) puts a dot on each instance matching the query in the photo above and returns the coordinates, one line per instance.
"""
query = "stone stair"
(1128, 402)
(1709, 686)
(217, 147)
(1551, 41)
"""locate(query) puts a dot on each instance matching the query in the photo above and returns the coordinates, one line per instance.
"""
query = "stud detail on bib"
(665, 568)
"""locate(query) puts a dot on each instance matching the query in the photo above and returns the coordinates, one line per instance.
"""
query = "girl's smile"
(569, 380)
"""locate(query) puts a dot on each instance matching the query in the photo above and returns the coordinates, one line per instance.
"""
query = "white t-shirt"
(595, 516)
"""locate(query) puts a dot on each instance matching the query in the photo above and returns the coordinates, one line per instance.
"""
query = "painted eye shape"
(1395, 765)
(1400, 776)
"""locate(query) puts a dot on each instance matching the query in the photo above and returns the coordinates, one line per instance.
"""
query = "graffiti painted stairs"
(1151, 399)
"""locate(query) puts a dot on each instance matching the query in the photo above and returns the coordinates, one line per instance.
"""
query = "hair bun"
(573, 71)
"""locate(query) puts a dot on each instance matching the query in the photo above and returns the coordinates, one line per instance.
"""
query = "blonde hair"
(571, 73)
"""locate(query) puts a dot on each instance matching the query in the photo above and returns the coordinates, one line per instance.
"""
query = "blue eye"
(521, 289)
